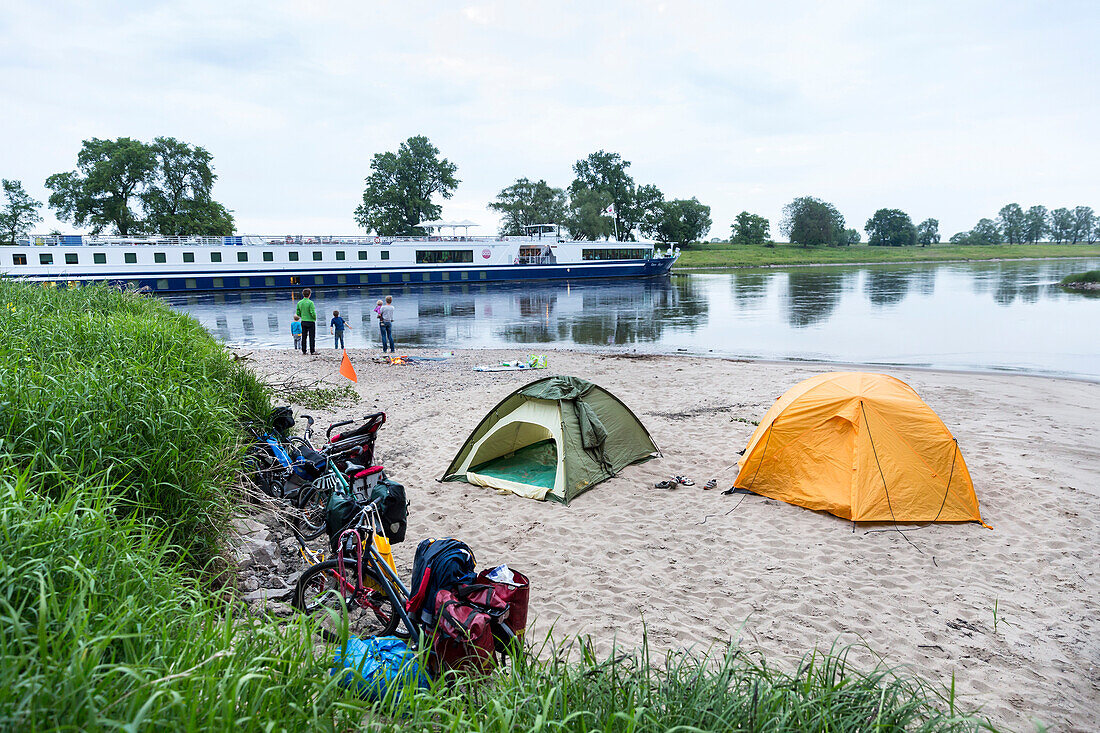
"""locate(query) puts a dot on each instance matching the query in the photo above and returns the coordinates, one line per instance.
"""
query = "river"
(1008, 316)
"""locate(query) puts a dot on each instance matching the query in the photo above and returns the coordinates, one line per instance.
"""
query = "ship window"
(427, 277)
(292, 256)
(385, 277)
(244, 282)
(71, 259)
(215, 256)
(318, 255)
(432, 256)
(99, 258)
(385, 254)
(162, 284)
(294, 279)
(242, 257)
(341, 279)
(482, 274)
(188, 256)
(465, 276)
(614, 254)
(318, 279)
(340, 254)
(269, 256)
(219, 283)
(159, 257)
(405, 277)
(362, 254)
(190, 283)
(446, 275)
(269, 282)
(130, 257)
(19, 259)
(45, 259)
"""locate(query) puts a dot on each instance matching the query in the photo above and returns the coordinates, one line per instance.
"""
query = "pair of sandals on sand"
(675, 481)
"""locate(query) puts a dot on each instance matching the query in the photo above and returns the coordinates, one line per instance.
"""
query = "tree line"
(165, 187)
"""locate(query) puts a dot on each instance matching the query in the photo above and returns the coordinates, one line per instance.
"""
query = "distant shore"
(725, 256)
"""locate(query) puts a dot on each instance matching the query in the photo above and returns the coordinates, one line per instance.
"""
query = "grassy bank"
(119, 435)
(738, 255)
(1082, 278)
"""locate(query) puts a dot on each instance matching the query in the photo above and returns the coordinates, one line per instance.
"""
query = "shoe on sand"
(711, 484)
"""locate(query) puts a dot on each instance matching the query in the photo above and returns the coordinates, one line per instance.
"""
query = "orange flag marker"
(346, 369)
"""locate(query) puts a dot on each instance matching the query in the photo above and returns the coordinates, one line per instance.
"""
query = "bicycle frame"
(392, 586)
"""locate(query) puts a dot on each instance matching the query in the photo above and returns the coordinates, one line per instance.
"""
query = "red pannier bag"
(513, 590)
(463, 634)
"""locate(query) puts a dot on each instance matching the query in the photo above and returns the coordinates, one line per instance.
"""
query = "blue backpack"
(374, 666)
(439, 564)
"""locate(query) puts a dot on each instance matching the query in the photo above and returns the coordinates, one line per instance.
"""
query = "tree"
(177, 199)
(960, 238)
(985, 231)
(811, 221)
(109, 175)
(585, 217)
(134, 187)
(678, 221)
(1013, 223)
(1035, 224)
(19, 214)
(928, 232)
(750, 229)
(605, 174)
(1061, 225)
(525, 203)
(1083, 220)
(891, 228)
(850, 237)
(399, 190)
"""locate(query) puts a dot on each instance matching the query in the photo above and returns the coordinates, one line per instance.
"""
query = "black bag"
(308, 463)
(341, 512)
(439, 564)
(282, 420)
(394, 508)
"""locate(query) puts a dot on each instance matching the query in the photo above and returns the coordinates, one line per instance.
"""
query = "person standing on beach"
(336, 328)
(296, 332)
(308, 313)
(385, 324)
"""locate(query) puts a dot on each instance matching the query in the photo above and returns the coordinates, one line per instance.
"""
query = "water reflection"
(812, 295)
(887, 286)
(984, 315)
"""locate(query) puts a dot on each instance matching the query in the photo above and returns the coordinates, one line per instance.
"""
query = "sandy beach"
(702, 568)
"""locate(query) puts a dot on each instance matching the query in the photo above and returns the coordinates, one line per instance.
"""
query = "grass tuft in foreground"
(119, 435)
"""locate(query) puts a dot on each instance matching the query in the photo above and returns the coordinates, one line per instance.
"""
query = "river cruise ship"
(241, 262)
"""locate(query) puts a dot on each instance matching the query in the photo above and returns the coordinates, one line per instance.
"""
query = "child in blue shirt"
(336, 327)
(296, 332)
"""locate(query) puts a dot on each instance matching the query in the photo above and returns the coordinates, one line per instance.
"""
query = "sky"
(942, 109)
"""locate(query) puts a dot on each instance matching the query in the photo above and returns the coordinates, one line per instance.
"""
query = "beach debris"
(534, 361)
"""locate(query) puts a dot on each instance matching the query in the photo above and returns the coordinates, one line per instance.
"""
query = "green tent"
(553, 439)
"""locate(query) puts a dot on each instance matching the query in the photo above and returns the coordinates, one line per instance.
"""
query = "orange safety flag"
(346, 369)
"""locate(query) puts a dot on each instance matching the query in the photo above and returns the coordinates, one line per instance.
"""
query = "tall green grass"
(1090, 276)
(94, 381)
(119, 435)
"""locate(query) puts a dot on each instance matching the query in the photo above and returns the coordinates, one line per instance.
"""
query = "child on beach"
(336, 327)
(296, 332)
(378, 309)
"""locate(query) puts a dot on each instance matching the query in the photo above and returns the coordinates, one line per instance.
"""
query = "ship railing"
(537, 260)
(77, 240)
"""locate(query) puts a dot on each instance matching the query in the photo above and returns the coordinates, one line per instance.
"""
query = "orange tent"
(861, 446)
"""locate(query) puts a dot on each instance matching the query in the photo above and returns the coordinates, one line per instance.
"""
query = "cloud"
(941, 109)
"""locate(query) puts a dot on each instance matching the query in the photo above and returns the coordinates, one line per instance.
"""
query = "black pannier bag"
(282, 420)
(394, 508)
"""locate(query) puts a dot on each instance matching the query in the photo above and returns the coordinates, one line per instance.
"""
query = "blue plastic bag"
(371, 666)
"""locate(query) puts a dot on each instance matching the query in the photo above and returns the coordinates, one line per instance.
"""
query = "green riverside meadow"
(120, 444)
(725, 254)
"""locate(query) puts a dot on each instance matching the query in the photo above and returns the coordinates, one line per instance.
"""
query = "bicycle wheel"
(322, 591)
(310, 521)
